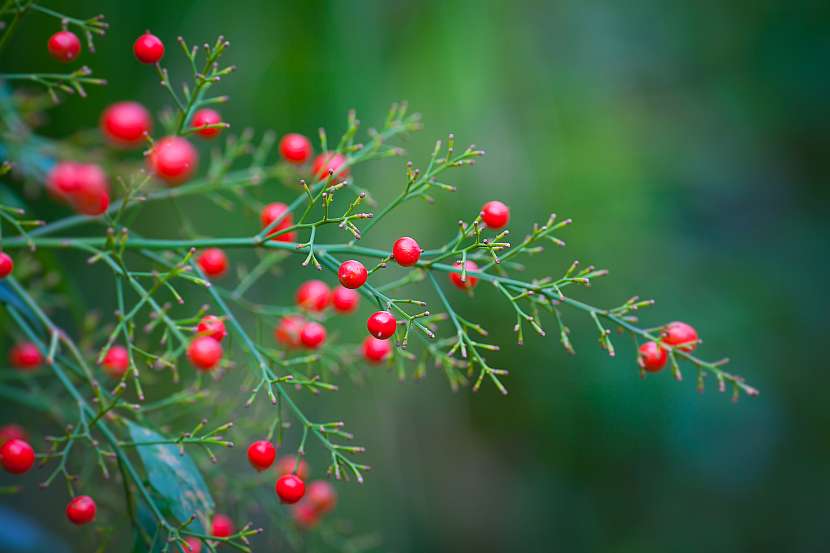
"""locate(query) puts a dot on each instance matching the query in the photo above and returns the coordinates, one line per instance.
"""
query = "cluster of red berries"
(84, 186)
(653, 355)
(313, 296)
(205, 350)
(309, 502)
(296, 148)
(18, 457)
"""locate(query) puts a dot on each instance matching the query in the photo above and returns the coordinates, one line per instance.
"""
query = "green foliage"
(175, 478)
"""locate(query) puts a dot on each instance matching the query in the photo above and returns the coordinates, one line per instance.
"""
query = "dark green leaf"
(175, 478)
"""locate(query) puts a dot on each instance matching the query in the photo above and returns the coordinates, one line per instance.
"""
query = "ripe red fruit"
(470, 282)
(63, 179)
(148, 48)
(288, 330)
(116, 361)
(321, 496)
(212, 326)
(652, 357)
(313, 335)
(313, 295)
(329, 161)
(205, 353)
(173, 159)
(126, 123)
(375, 350)
(203, 117)
(287, 464)
(92, 193)
(261, 454)
(381, 325)
(11, 432)
(271, 213)
(352, 274)
(680, 334)
(344, 300)
(194, 545)
(81, 510)
(221, 527)
(495, 214)
(6, 265)
(406, 251)
(17, 456)
(295, 148)
(290, 488)
(213, 262)
(304, 515)
(64, 46)
(25, 356)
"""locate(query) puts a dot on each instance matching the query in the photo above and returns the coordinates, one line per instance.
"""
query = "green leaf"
(175, 478)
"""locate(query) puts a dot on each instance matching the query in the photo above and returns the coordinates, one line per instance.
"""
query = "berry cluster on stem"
(107, 373)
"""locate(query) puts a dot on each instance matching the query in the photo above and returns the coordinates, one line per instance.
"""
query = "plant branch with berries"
(123, 390)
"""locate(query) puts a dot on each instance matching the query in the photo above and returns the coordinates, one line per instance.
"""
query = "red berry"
(652, 357)
(288, 330)
(680, 334)
(295, 148)
(205, 353)
(288, 464)
(148, 48)
(25, 356)
(382, 325)
(6, 265)
(126, 123)
(313, 295)
(63, 179)
(194, 545)
(64, 46)
(271, 213)
(321, 496)
(406, 251)
(116, 361)
(173, 159)
(203, 117)
(304, 515)
(81, 510)
(11, 432)
(221, 527)
(375, 350)
(290, 488)
(313, 335)
(495, 214)
(471, 281)
(213, 262)
(352, 274)
(17, 456)
(92, 195)
(329, 161)
(344, 300)
(212, 326)
(261, 454)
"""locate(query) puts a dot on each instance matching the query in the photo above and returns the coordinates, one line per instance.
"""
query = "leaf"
(174, 477)
(150, 529)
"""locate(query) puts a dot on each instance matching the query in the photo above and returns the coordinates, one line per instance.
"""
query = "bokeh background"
(688, 141)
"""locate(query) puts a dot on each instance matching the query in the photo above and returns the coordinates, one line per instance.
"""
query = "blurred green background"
(685, 139)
